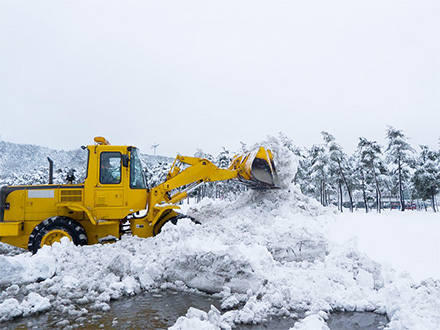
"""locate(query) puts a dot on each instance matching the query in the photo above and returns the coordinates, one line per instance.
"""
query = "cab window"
(137, 179)
(110, 171)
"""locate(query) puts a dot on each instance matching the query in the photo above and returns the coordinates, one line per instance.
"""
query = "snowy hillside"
(28, 164)
(268, 253)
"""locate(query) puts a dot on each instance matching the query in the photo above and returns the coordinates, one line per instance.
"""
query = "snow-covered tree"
(223, 189)
(302, 176)
(370, 168)
(362, 180)
(218, 189)
(338, 167)
(156, 174)
(399, 154)
(319, 173)
(426, 177)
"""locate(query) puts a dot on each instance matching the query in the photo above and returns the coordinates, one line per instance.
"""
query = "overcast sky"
(209, 74)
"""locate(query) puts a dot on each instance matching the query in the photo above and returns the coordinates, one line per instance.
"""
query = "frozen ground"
(268, 253)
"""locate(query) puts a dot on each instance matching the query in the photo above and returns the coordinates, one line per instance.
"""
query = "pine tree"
(368, 154)
(400, 155)
(338, 167)
(302, 176)
(156, 174)
(319, 173)
(362, 179)
(426, 177)
(222, 188)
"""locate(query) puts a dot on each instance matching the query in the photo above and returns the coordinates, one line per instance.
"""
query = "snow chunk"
(25, 268)
(198, 319)
(34, 303)
(314, 321)
(9, 309)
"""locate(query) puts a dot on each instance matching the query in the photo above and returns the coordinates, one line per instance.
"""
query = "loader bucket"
(256, 169)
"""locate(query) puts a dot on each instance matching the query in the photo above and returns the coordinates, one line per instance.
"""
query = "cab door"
(109, 191)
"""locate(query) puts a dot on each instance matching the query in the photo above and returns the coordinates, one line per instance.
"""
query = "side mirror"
(125, 160)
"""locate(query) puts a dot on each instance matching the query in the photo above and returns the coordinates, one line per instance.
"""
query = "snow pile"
(412, 305)
(265, 254)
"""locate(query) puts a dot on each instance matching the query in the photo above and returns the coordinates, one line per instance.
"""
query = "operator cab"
(112, 161)
(115, 185)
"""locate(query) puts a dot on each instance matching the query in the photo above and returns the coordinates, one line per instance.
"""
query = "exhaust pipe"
(50, 170)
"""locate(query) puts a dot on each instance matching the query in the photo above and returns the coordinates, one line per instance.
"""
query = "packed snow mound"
(264, 254)
(286, 223)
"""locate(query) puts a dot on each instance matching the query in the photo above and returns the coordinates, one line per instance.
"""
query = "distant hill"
(28, 164)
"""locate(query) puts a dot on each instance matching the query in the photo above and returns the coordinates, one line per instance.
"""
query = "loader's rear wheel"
(54, 236)
(53, 230)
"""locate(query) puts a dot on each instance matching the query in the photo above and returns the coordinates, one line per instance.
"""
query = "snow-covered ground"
(406, 241)
(267, 253)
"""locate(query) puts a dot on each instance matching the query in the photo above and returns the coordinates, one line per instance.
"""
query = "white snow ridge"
(265, 254)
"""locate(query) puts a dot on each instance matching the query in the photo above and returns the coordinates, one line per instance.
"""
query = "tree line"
(375, 176)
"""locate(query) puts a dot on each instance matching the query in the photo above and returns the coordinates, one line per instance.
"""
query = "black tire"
(53, 228)
(172, 217)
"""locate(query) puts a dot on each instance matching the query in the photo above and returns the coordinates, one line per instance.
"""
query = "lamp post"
(154, 146)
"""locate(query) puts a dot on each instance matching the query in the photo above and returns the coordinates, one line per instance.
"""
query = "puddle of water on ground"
(160, 310)
(357, 320)
(336, 321)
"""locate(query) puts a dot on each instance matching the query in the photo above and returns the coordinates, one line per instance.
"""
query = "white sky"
(207, 74)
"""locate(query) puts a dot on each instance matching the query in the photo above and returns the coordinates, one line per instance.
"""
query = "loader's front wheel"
(53, 230)
(172, 217)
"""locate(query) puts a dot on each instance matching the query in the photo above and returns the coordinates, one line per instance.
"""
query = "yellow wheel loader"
(113, 197)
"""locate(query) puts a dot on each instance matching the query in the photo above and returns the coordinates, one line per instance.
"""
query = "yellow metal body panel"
(11, 228)
(22, 239)
(75, 211)
(95, 233)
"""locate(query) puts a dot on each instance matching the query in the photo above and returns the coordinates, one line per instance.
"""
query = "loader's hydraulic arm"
(254, 169)
(200, 170)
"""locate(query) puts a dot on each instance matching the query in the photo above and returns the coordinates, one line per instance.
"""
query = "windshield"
(137, 179)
